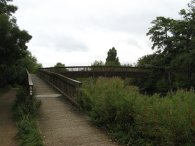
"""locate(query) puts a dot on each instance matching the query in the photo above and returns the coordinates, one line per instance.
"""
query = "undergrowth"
(25, 111)
(136, 119)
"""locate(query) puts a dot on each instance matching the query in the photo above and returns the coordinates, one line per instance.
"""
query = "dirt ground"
(7, 126)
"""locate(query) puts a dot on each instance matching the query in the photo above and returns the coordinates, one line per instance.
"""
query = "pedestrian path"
(7, 126)
(61, 124)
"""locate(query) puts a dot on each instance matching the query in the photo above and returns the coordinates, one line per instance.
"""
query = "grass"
(136, 119)
(25, 114)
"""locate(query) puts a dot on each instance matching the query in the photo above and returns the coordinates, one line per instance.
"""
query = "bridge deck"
(61, 124)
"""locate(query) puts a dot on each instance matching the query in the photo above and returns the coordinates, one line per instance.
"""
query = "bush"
(136, 119)
(25, 114)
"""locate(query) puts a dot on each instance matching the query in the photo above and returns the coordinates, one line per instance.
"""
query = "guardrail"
(95, 71)
(97, 68)
(67, 86)
(29, 83)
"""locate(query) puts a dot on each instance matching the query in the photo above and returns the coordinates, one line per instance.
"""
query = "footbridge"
(60, 124)
(96, 71)
(64, 78)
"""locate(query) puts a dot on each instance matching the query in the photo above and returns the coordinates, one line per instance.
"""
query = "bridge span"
(59, 123)
(95, 71)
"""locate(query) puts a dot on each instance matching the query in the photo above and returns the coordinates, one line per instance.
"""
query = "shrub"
(136, 119)
(25, 114)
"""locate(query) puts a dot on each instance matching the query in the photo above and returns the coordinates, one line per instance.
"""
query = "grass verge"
(136, 119)
(25, 111)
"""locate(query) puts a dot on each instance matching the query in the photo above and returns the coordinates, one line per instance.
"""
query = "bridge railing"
(95, 71)
(67, 86)
(30, 84)
(96, 68)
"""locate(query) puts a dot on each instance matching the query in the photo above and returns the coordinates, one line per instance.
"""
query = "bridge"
(95, 71)
(60, 122)
(63, 78)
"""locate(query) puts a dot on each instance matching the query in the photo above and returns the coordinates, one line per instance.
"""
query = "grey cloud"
(136, 21)
(134, 43)
(61, 43)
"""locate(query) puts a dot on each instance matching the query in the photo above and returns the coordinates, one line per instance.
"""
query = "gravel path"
(7, 126)
(62, 125)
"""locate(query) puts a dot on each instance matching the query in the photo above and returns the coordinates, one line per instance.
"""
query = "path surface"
(61, 124)
(7, 126)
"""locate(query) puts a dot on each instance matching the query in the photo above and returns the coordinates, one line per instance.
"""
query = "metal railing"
(108, 71)
(67, 86)
(97, 68)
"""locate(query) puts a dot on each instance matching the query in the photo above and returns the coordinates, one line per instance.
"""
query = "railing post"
(29, 83)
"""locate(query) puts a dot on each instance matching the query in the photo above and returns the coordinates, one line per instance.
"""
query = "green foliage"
(173, 41)
(136, 119)
(59, 64)
(29, 62)
(13, 41)
(25, 113)
(12, 45)
(14, 56)
(6, 8)
(97, 63)
(112, 59)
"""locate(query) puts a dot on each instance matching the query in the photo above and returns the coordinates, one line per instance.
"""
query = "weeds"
(136, 119)
(25, 113)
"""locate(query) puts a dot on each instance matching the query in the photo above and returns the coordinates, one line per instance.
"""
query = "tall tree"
(174, 45)
(12, 42)
(112, 59)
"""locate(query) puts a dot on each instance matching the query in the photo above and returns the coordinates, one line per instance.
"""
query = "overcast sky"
(78, 32)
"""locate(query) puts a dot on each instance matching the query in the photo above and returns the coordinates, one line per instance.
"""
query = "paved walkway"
(61, 124)
(7, 126)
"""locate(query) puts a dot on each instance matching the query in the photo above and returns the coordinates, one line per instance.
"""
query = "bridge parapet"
(67, 86)
(95, 71)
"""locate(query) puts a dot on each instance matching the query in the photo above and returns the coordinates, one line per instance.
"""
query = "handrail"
(30, 83)
(67, 86)
(94, 71)
(102, 68)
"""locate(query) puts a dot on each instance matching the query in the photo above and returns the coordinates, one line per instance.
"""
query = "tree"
(7, 8)
(173, 42)
(112, 59)
(173, 37)
(29, 62)
(59, 64)
(12, 43)
(97, 63)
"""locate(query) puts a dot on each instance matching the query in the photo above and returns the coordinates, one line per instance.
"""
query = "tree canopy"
(14, 56)
(174, 44)
(112, 59)
(13, 40)
(59, 64)
(97, 63)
